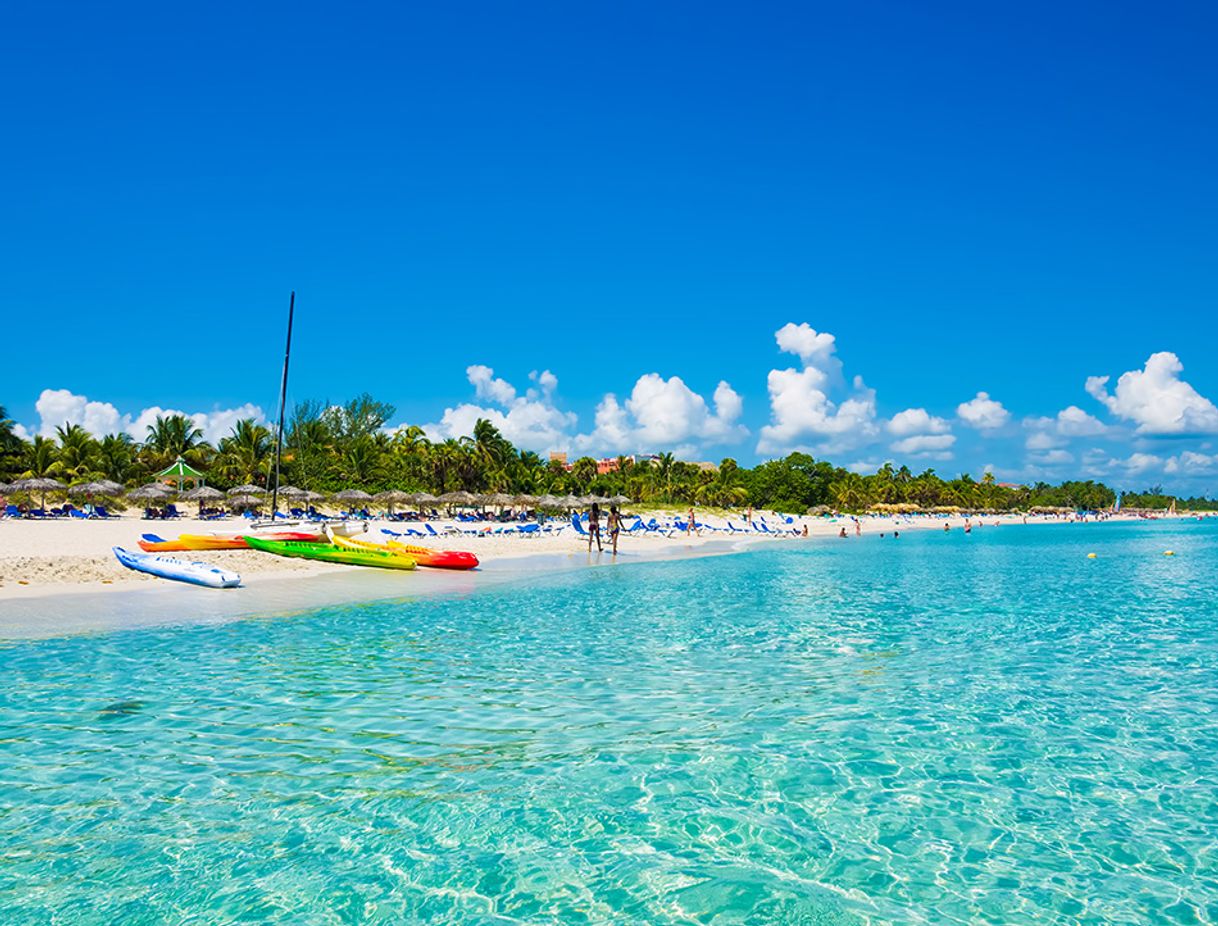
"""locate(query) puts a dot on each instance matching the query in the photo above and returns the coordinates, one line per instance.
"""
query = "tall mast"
(283, 397)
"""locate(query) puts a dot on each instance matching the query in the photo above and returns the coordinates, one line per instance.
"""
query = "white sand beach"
(52, 557)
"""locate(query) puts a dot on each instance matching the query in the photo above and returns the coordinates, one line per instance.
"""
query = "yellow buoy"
(1169, 552)
(1090, 556)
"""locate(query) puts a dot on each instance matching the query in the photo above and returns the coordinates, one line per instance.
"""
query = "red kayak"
(436, 559)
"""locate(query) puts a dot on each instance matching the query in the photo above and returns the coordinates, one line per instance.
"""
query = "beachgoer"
(842, 533)
(858, 528)
(615, 526)
(946, 527)
(805, 530)
(594, 527)
(896, 533)
(690, 527)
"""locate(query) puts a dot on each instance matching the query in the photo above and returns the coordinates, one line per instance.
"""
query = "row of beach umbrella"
(252, 494)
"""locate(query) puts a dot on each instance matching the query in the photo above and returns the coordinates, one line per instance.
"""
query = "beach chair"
(578, 525)
(77, 513)
(171, 511)
(12, 511)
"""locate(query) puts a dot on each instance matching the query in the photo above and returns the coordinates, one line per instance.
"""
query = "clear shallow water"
(938, 729)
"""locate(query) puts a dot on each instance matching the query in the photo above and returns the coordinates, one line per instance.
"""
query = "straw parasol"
(40, 484)
(247, 490)
(391, 497)
(152, 492)
(527, 501)
(500, 499)
(243, 499)
(549, 501)
(202, 494)
(352, 495)
(457, 498)
(292, 492)
(620, 500)
(104, 487)
(569, 501)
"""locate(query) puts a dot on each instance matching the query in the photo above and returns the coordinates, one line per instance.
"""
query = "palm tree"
(243, 455)
(115, 456)
(78, 452)
(172, 436)
(39, 457)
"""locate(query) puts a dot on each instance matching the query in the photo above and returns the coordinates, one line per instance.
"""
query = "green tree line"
(331, 447)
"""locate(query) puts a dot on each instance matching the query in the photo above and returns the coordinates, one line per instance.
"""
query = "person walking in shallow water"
(594, 527)
(615, 526)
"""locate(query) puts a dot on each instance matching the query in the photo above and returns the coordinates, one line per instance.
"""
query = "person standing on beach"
(615, 526)
(690, 527)
(594, 527)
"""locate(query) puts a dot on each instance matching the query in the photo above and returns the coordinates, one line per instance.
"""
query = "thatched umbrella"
(569, 501)
(500, 499)
(152, 492)
(619, 500)
(457, 498)
(202, 494)
(247, 490)
(528, 501)
(41, 484)
(351, 495)
(292, 492)
(104, 487)
(312, 496)
(244, 499)
(391, 497)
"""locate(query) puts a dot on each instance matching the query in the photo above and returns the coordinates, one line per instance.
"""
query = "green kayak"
(331, 554)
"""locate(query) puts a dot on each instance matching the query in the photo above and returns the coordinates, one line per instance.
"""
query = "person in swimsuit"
(615, 526)
(594, 527)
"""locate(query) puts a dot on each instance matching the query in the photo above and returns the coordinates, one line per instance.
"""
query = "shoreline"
(101, 596)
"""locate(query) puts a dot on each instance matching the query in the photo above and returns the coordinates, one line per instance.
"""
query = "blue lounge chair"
(100, 512)
(12, 511)
(578, 525)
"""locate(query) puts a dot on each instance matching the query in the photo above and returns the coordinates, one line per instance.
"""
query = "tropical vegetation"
(331, 447)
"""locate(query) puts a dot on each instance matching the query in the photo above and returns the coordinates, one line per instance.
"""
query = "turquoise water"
(935, 729)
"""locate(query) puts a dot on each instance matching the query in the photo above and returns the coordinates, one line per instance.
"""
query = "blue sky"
(967, 199)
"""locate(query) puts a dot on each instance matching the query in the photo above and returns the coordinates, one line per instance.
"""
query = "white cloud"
(1053, 457)
(531, 422)
(57, 407)
(814, 348)
(487, 386)
(1042, 440)
(1072, 421)
(214, 425)
(935, 446)
(801, 412)
(1156, 399)
(983, 413)
(1192, 463)
(663, 414)
(916, 421)
(546, 381)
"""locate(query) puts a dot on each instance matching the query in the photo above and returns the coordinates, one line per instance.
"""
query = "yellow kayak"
(436, 559)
